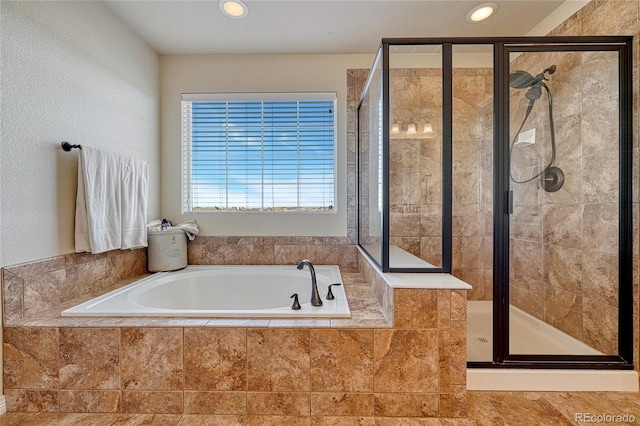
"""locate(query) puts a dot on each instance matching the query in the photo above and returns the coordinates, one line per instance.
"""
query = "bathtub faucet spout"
(315, 296)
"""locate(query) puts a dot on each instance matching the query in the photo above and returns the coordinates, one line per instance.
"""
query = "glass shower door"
(528, 170)
(370, 143)
(564, 183)
(472, 195)
(404, 191)
(415, 157)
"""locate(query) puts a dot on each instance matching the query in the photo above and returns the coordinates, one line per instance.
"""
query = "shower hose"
(553, 137)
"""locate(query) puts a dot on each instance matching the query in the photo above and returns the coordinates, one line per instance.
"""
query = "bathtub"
(223, 291)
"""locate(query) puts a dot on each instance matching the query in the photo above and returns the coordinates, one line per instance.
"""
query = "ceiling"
(317, 26)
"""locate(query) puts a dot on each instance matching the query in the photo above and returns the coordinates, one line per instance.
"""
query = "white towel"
(135, 190)
(189, 227)
(111, 201)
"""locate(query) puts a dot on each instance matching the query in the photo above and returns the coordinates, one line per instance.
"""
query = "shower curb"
(491, 379)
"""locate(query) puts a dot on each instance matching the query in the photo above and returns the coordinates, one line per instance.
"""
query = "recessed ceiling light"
(481, 12)
(234, 8)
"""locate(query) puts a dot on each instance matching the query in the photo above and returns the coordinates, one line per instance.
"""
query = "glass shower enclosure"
(404, 195)
(508, 163)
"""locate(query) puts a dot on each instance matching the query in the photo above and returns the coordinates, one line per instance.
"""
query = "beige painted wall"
(70, 71)
(205, 73)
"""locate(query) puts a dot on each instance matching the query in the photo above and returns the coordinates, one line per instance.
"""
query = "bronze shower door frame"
(502, 47)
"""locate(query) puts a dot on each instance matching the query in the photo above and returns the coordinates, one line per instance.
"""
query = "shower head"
(522, 80)
(534, 92)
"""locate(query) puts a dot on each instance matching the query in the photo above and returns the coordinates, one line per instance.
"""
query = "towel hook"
(68, 146)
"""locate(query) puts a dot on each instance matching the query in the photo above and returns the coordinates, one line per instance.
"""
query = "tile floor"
(485, 409)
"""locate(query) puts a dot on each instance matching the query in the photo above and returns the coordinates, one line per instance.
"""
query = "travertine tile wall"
(416, 170)
(259, 371)
(415, 165)
(473, 179)
(383, 293)
(565, 243)
(273, 251)
(38, 286)
(565, 260)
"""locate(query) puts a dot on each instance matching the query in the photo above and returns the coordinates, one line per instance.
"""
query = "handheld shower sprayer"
(551, 177)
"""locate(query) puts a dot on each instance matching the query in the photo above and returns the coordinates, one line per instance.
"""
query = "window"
(258, 152)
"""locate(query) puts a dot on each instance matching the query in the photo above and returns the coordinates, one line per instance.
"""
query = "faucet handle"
(296, 305)
(330, 295)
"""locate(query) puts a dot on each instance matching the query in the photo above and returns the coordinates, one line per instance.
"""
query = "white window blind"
(258, 152)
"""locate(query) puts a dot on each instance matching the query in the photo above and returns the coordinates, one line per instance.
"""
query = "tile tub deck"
(365, 366)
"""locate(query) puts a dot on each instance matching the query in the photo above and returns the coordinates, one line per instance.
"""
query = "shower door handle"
(509, 202)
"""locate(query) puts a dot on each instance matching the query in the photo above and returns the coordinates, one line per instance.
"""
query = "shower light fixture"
(421, 128)
(234, 8)
(428, 129)
(395, 128)
(412, 128)
(481, 12)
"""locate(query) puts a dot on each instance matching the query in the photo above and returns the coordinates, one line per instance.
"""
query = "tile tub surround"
(224, 250)
(361, 366)
(32, 288)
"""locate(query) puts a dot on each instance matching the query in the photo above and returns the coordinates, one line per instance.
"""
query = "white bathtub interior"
(223, 291)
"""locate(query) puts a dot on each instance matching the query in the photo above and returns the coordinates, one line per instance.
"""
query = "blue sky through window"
(262, 155)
